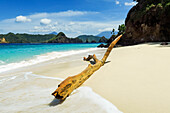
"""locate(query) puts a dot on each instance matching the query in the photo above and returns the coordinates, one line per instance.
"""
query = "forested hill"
(91, 38)
(62, 38)
(26, 38)
(48, 38)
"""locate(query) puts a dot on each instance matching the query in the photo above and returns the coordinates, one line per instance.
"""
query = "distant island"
(25, 38)
(49, 38)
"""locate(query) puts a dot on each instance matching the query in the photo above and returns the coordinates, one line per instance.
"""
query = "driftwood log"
(69, 84)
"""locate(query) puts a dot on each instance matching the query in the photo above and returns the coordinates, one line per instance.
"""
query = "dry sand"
(137, 80)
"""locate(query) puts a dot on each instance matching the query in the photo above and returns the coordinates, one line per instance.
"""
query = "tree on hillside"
(121, 29)
(113, 31)
(87, 41)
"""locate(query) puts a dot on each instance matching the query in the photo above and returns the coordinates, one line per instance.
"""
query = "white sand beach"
(135, 80)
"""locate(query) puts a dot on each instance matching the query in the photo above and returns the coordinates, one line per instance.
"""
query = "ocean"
(20, 55)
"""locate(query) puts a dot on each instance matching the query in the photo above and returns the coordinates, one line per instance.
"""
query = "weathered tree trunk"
(68, 85)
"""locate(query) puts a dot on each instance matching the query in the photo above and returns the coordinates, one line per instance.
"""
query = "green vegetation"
(168, 4)
(159, 5)
(90, 38)
(61, 34)
(49, 38)
(26, 38)
(62, 38)
(147, 5)
(121, 29)
(113, 31)
(150, 6)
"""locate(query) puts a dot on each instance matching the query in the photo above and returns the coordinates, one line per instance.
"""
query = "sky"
(73, 17)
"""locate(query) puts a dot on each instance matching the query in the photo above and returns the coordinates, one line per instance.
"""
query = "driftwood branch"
(68, 85)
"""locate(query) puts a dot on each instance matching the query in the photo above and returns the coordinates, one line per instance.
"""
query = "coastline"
(107, 56)
(28, 82)
(49, 59)
(135, 79)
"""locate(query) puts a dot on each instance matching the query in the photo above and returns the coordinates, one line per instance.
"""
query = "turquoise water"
(11, 53)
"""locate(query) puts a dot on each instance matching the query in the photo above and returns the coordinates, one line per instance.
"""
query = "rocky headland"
(148, 21)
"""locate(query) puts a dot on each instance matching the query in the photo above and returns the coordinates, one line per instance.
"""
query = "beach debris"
(66, 87)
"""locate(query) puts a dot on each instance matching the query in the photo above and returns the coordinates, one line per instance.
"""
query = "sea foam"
(27, 92)
(1, 62)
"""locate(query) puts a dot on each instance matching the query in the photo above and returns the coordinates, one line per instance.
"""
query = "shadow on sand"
(56, 102)
(107, 62)
(92, 62)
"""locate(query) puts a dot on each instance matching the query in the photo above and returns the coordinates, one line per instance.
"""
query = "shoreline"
(52, 58)
(135, 80)
(43, 79)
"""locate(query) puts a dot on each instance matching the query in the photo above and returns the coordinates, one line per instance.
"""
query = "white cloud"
(69, 13)
(56, 23)
(105, 29)
(72, 23)
(45, 21)
(22, 19)
(117, 2)
(75, 28)
(130, 3)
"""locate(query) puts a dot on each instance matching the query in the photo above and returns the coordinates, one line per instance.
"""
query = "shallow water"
(27, 92)
(11, 53)
(44, 58)
(13, 56)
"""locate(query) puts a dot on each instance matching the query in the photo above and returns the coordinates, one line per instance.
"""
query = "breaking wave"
(42, 58)
(27, 92)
